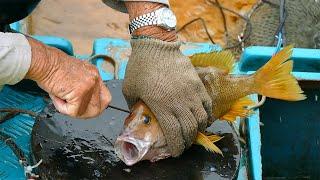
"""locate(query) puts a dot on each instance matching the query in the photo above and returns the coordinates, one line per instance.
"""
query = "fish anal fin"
(223, 60)
(238, 109)
(205, 141)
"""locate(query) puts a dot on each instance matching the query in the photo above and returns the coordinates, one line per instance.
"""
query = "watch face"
(168, 18)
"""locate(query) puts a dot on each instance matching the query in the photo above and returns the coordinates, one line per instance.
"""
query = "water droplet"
(77, 147)
(316, 98)
(127, 170)
(97, 173)
(280, 119)
(212, 169)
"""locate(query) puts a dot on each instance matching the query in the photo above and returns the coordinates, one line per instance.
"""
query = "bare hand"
(74, 86)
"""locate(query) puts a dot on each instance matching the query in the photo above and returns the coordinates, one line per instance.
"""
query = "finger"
(76, 102)
(105, 97)
(84, 101)
(200, 115)
(93, 108)
(170, 127)
(59, 104)
(206, 100)
(188, 124)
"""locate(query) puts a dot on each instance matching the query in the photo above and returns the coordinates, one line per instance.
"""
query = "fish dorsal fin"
(223, 60)
(207, 142)
(238, 109)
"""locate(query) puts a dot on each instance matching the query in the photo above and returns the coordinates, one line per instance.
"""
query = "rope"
(20, 154)
(12, 112)
(246, 36)
(217, 4)
(204, 25)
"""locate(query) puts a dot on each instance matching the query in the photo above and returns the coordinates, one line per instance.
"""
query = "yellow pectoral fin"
(223, 60)
(239, 108)
(214, 138)
(205, 141)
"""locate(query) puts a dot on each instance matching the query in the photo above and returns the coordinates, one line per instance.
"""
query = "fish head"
(141, 137)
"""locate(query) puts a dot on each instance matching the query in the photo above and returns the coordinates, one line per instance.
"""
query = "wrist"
(42, 61)
(136, 9)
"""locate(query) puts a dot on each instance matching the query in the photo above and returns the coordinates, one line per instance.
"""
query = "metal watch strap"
(143, 20)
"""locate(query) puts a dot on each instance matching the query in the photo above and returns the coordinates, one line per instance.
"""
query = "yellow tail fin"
(206, 142)
(239, 108)
(274, 79)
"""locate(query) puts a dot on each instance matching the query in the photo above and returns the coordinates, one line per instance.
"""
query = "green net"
(301, 26)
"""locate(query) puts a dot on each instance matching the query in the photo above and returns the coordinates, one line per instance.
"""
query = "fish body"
(142, 137)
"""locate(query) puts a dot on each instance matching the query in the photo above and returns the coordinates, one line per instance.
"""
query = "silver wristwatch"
(162, 17)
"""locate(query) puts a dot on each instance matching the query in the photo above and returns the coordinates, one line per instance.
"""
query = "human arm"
(165, 80)
(74, 86)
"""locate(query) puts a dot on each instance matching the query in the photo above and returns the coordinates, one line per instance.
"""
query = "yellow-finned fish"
(142, 137)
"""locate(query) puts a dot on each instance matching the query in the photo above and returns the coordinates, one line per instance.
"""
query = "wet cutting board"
(83, 149)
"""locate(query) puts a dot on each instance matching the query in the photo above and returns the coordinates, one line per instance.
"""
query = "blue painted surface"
(305, 60)
(15, 26)
(58, 42)
(18, 128)
(254, 143)
(117, 49)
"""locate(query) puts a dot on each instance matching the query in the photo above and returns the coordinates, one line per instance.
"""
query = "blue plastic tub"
(290, 135)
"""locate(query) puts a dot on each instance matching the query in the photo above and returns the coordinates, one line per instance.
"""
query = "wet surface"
(83, 149)
(291, 137)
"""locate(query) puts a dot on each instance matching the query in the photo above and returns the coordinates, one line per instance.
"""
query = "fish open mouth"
(131, 150)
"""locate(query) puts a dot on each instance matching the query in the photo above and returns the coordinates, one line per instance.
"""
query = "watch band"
(143, 20)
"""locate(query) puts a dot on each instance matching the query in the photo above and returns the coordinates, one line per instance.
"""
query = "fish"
(142, 137)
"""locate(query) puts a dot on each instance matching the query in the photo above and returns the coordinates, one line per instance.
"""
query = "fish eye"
(146, 119)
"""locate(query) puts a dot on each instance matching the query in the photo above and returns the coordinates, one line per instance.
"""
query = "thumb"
(59, 104)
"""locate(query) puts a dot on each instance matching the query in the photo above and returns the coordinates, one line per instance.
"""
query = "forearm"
(43, 60)
(139, 8)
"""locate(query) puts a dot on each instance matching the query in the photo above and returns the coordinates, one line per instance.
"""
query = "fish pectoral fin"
(214, 138)
(223, 60)
(205, 141)
(239, 108)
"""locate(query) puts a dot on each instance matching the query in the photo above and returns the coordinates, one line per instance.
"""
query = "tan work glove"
(161, 76)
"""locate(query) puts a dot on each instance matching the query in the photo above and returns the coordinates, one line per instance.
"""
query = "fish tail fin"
(275, 80)
(238, 109)
(206, 142)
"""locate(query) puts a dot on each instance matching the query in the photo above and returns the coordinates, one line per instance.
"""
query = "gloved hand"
(75, 87)
(161, 76)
